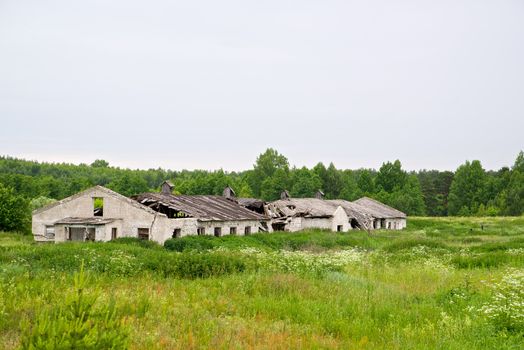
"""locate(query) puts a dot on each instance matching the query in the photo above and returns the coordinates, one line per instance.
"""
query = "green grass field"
(443, 283)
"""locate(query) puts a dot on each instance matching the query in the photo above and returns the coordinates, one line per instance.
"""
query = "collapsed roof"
(304, 207)
(201, 207)
(253, 204)
(364, 210)
(355, 211)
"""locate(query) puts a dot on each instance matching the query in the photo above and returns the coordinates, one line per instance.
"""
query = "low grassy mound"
(310, 240)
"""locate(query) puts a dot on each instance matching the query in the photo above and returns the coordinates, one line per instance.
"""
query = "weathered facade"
(78, 218)
(99, 214)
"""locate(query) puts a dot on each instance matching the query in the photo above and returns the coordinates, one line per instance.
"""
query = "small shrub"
(76, 325)
(207, 265)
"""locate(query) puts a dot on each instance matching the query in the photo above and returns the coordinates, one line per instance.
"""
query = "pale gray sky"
(210, 84)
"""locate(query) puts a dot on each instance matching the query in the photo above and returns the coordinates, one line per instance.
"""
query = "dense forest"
(469, 191)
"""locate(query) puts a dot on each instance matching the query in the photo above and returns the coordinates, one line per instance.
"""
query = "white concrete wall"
(391, 224)
(340, 218)
(395, 224)
(321, 223)
(164, 227)
(294, 224)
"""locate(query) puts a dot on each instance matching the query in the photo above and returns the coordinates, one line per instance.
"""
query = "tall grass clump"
(480, 261)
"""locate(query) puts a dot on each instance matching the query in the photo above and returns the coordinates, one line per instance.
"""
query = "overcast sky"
(212, 84)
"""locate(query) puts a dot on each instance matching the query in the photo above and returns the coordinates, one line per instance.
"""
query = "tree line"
(469, 191)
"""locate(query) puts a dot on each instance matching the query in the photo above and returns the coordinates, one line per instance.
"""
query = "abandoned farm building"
(99, 214)
(102, 215)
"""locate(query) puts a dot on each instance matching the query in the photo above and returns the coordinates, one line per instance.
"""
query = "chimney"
(229, 193)
(285, 195)
(167, 187)
(319, 195)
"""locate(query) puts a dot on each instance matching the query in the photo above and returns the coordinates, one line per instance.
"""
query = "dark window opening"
(354, 223)
(201, 231)
(279, 226)
(340, 228)
(218, 231)
(98, 206)
(247, 230)
(177, 232)
(389, 225)
(90, 234)
(113, 233)
(143, 233)
(382, 223)
(233, 231)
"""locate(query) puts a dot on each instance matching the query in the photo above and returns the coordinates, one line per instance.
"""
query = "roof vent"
(229, 193)
(285, 195)
(167, 187)
(319, 194)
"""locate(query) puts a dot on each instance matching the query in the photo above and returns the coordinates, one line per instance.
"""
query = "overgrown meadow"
(443, 283)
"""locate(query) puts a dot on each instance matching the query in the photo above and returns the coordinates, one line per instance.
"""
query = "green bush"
(198, 243)
(136, 242)
(208, 265)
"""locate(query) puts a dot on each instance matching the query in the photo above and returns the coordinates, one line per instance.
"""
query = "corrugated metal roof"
(201, 207)
(379, 210)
